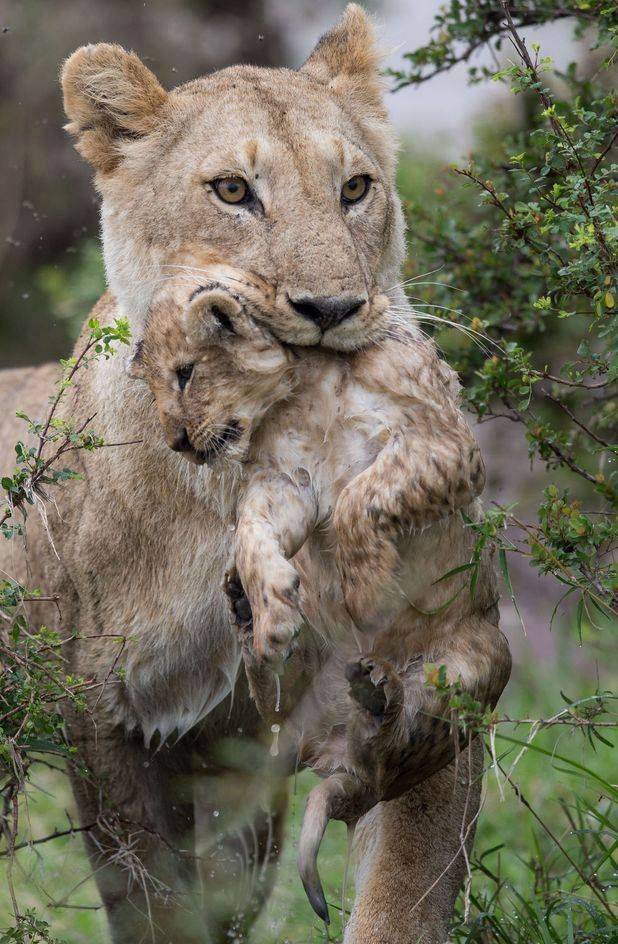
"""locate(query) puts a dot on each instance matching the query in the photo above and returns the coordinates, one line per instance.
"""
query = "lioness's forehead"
(244, 103)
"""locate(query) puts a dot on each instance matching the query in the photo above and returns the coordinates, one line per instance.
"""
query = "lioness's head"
(213, 370)
(284, 174)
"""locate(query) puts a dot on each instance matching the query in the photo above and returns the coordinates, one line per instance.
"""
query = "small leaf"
(504, 567)
(456, 570)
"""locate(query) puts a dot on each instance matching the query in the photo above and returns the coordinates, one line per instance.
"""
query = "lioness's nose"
(327, 311)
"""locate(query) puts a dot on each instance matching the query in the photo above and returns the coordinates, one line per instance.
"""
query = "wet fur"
(359, 464)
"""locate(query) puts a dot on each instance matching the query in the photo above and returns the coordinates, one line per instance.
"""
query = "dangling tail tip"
(317, 900)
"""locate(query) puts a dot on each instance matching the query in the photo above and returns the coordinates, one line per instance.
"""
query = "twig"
(577, 422)
(55, 835)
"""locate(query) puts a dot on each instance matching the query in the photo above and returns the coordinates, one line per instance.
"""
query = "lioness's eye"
(184, 373)
(231, 189)
(355, 189)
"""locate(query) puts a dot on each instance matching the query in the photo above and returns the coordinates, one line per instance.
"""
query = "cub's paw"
(375, 686)
(277, 620)
(238, 602)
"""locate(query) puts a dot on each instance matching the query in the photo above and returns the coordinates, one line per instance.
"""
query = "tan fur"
(296, 137)
(143, 539)
(369, 454)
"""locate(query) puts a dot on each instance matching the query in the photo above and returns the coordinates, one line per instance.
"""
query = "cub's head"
(213, 371)
(287, 174)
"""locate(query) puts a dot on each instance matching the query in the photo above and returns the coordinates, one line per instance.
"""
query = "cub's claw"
(240, 608)
(374, 685)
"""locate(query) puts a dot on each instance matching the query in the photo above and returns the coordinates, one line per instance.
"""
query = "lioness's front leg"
(277, 514)
(411, 860)
(414, 481)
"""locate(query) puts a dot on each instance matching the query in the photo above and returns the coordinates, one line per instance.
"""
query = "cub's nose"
(181, 442)
(327, 311)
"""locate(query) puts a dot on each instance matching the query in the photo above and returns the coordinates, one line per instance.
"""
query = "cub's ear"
(134, 364)
(347, 60)
(109, 95)
(212, 314)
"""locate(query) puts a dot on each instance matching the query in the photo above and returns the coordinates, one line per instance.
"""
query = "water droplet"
(274, 748)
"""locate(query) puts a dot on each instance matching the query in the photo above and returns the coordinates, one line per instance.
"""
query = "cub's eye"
(355, 189)
(231, 189)
(184, 374)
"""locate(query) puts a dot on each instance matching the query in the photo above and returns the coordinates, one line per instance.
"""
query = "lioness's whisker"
(424, 317)
(414, 278)
(423, 304)
(438, 320)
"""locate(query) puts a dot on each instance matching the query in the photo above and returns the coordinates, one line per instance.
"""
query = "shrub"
(526, 235)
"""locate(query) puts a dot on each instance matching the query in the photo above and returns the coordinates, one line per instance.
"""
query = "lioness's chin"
(354, 334)
(351, 341)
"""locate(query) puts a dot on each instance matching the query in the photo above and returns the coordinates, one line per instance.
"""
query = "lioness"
(288, 174)
(369, 454)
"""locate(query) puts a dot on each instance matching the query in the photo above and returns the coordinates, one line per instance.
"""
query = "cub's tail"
(342, 797)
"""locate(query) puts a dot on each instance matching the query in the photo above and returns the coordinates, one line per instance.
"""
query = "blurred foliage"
(533, 259)
(71, 290)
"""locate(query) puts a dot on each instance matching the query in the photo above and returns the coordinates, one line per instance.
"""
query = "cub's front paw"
(277, 620)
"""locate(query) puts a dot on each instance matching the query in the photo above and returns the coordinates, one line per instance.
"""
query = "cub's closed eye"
(355, 189)
(184, 375)
(232, 189)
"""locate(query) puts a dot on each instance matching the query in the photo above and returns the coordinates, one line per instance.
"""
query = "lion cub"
(353, 469)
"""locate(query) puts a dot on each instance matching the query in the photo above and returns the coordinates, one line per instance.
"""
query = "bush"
(526, 236)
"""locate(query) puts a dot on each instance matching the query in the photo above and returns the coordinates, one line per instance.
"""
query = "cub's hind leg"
(400, 729)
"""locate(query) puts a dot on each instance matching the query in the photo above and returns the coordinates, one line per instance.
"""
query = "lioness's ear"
(109, 94)
(347, 60)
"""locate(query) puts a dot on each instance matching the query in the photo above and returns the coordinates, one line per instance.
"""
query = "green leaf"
(456, 570)
(507, 579)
